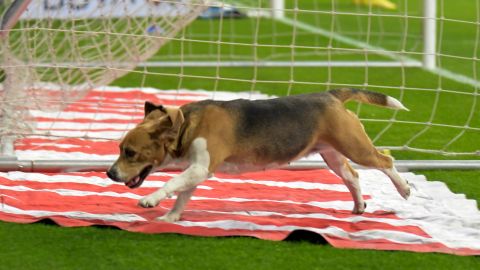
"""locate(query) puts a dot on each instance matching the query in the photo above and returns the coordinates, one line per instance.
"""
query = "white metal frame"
(55, 166)
(429, 34)
(278, 8)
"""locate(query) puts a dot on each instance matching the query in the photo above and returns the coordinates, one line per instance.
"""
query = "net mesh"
(60, 50)
(54, 59)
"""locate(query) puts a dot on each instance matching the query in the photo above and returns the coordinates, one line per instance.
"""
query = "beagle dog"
(248, 135)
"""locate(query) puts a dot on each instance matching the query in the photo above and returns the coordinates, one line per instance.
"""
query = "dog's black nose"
(112, 175)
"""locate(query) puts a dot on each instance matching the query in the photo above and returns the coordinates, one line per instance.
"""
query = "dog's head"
(146, 147)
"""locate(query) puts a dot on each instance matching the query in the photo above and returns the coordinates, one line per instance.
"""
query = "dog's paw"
(149, 201)
(405, 191)
(170, 217)
(359, 209)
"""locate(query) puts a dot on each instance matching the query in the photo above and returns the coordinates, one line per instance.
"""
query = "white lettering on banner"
(70, 4)
(84, 9)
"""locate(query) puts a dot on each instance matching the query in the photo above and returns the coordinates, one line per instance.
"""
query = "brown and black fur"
(276, 130)
(256, 135)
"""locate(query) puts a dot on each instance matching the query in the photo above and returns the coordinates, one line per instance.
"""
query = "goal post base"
(55, 166)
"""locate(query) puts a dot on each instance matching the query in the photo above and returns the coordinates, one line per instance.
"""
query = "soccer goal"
(57, 56)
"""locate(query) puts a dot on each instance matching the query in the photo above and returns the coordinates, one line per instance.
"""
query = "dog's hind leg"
(401, 185)
(339, 164)
(353, 143)
(372, 158)
(175, 213)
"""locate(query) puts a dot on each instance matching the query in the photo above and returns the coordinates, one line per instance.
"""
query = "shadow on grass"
(306, 236)
(51, 222)
(294, 237)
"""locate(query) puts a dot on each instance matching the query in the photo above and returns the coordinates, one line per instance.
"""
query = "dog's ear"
(149, 107)
(172, 135)
(177, 118)
(164, 123)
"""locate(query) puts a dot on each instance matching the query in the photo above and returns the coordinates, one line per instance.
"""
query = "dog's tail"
(369, 97)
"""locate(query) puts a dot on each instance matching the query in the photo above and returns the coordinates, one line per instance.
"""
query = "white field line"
(380, 51)
(347, 40)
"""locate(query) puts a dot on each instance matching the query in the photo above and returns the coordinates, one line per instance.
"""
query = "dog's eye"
(129, 153)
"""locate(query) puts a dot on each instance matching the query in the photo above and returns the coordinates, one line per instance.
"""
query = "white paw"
(359, 209)
(149, 201)
(170, 217)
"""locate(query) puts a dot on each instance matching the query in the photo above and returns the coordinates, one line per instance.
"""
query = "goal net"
(54, 52)
(425, 53)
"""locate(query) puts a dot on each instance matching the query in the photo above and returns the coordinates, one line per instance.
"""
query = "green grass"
(43, 245)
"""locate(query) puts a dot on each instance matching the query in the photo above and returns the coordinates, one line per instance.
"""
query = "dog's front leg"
(183, 183)
(175, 213)
(187, 180)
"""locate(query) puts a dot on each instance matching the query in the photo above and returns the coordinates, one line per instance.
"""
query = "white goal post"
(429, 34)
(53, 52)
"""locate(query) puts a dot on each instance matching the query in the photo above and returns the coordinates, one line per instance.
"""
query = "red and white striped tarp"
(268, 205)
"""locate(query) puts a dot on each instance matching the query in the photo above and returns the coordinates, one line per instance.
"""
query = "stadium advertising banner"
(82, 9)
